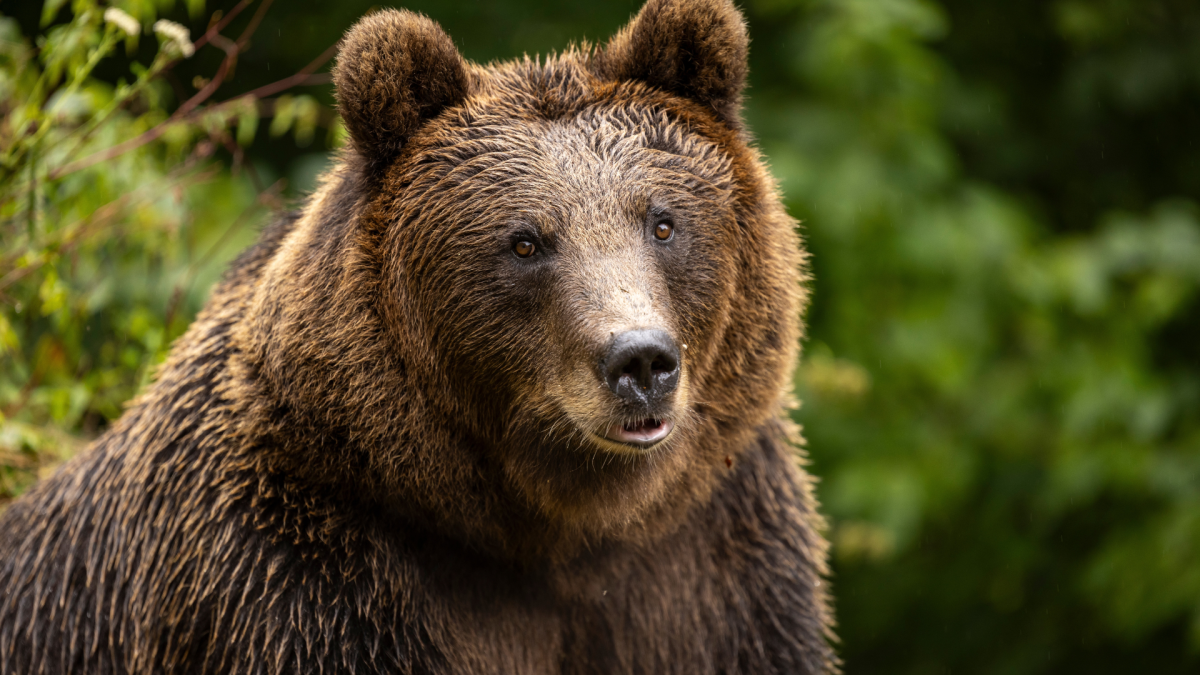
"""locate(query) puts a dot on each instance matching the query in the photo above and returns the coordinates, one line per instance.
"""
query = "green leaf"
(247, 123)
(285, 114)
(53, 293)
(50, 11)
(9, 341)
(307, 112)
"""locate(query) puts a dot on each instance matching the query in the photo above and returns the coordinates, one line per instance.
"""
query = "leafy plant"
(116, 210)
(1010, 459)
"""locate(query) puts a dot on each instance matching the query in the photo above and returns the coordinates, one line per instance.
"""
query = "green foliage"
(1002, 381)
(115, 218)
(1011, 469)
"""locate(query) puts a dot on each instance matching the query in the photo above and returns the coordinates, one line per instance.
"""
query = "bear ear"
(694, 48)
(395, 70)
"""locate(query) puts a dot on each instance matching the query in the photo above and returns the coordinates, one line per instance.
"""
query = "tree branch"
(189, 110)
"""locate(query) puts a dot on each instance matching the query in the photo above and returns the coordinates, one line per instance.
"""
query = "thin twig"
(231, 53)
(213, 35)
(214, 28)
(219, 26)
(304, 76)
(300, 78)
(244, 39)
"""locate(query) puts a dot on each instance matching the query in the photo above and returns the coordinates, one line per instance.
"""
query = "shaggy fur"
(380, 446)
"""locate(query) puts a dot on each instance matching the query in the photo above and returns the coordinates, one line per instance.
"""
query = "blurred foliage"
(1001, 386)
(1002, 381)
(115, 214)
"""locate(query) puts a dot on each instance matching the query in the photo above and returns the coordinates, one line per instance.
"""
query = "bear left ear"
(395, 70)
(694, 48)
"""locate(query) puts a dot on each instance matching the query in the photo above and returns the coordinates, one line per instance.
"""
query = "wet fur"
(366, 454)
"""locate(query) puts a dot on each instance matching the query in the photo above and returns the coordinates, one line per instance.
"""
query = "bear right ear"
(694, 48)
(395, 70)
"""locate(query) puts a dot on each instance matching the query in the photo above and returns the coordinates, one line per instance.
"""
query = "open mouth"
(644, 433)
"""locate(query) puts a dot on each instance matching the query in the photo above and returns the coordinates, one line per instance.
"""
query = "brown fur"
(378, 448)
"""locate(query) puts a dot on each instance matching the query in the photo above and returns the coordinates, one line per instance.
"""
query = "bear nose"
(642, 366)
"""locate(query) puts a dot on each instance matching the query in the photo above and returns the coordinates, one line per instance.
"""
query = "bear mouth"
(642, 433)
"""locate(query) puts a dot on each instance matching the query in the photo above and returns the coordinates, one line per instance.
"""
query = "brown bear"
(507, 395)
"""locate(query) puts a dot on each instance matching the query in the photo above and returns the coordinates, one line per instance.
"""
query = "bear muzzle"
(641, 368)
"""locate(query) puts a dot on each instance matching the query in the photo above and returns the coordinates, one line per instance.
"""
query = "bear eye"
(524, 248)
(663, 230)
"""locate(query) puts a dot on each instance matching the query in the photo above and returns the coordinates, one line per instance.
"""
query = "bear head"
(537, 304)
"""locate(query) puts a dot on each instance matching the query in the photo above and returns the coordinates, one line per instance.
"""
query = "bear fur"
(380, 448)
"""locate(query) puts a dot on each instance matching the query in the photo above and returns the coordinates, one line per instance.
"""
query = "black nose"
(642, 366)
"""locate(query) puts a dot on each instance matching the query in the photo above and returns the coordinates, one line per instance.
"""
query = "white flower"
(177, 34)
(123, 21)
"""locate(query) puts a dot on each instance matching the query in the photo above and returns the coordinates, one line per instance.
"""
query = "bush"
(116, 213)
(1005, 427)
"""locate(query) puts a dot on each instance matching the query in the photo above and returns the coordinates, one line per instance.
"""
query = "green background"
(1001, 383)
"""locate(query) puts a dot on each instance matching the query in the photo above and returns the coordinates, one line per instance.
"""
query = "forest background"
(1001, 381)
